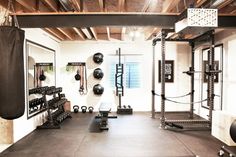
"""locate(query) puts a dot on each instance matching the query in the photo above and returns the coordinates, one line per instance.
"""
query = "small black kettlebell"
(83, 108)
(76, 108)
(90, 109)
(77, 76)
(42, 77)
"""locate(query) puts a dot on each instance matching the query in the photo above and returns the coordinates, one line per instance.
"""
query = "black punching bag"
(12, 95)
(233, 131)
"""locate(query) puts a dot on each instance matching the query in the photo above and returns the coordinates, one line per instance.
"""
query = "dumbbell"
(76, 108)
(124, 106)
(83, 108)
(90, 109)
(129, 106)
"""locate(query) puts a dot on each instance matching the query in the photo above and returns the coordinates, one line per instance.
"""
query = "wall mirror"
(41, 73)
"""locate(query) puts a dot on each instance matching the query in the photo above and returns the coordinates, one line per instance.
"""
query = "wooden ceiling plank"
(77, 5)
(154, 30)
(108, 33)
(79, 33)
(52, 5)
(224, 4)
(199, 3)
(123, 31)
(146, 5)
(30, 5)
(101, 5)
(55, 34)
(65, 33)
(233, 12)
(168, 5)
(121, 5)
(94, 33)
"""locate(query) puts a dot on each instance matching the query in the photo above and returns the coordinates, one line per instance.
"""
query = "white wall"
(23, 126)
(228, 39)
(139, 99)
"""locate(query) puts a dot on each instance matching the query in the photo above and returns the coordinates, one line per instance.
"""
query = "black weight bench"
(104, 110)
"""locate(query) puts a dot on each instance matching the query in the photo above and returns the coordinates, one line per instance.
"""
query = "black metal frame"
(209, 36)
(76, 19)
(221, 81)
(27, 93)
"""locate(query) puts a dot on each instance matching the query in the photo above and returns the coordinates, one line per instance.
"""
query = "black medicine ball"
(98, 58)
(98, 89)
(97, 73)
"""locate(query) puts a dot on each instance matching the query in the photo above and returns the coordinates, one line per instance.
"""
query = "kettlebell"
(83, 108)
(77, 76)
(42, 77)
(76, 108)
(90, 109)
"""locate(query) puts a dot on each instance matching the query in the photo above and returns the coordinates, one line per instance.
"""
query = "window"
(131, 76)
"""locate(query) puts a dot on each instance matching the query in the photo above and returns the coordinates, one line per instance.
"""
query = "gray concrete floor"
(129, 136)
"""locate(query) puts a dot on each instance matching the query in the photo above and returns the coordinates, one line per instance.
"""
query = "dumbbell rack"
(55, 109)
(37, 105)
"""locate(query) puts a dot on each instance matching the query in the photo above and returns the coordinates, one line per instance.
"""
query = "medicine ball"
(42, 77)
(77, 76)
(98, 89)
(233, 131)
(98, 58)
(97, 73)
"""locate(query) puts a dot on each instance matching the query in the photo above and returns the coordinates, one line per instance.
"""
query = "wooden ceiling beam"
(108, 33)
(154, 30)
(94, 33)
(123, 31)
(121, 5)
(224, 4)
(146, 5)
(199, 3)
(55, 33)
(102, 5)
(30, 4)
(66, 33)
(52, 5)
(168, 5)
(78, 31)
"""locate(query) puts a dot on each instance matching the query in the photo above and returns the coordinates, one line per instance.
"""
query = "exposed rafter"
(66, 33)
(94, 33)
(79, 33)
(123, 31)
(121, 5)
(168, 5)
(108, 33)
(224, 3)
(146, 5)
(30, 5)
(51, 4)
(102, 5)
(55, 33)
(199, 3)
(150, 35)
(77, 5)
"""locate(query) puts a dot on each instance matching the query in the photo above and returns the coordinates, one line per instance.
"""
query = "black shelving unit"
(55, 108)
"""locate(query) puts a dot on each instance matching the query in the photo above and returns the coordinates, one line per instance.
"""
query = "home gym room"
(125, 78)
